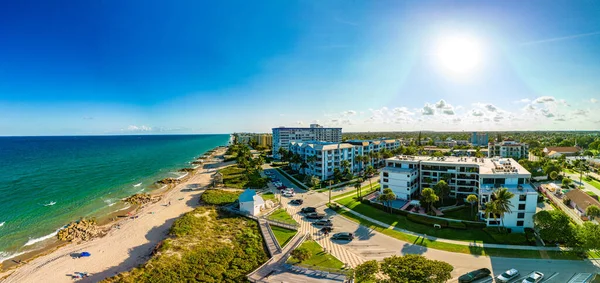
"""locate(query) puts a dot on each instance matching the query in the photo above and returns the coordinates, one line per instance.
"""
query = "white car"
(534, 277)
(288, 194)
(507, 276)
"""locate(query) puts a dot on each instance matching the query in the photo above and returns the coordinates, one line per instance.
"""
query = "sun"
(458, 54)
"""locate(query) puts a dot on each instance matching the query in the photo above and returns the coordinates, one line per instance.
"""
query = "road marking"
(552, 276)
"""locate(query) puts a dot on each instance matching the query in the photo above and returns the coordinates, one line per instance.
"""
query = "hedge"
(457, 225)
(426, 220)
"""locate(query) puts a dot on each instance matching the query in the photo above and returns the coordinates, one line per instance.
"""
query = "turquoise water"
(47, 182)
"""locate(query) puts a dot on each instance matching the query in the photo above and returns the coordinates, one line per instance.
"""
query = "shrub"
(426, 220)
(475, 225)
(505, 237)
(457, 225)
(219, 197)
(301, 254)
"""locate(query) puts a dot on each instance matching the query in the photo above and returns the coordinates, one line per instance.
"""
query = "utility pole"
(330, 183)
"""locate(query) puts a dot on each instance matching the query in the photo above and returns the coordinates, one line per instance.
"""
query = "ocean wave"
(6, 256)
(124, 208)
(2, 224)
(110, 202)
(43, 238)
(50, 203)
(137, 185)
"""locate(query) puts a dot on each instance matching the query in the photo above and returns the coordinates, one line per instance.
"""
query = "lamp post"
(330, 183)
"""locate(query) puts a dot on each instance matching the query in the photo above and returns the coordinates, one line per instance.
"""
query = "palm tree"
(311, 160)
(429, 197)
(369, 172)
(472, 199)
(442, 189)
(357, 186)
(553, 175)
(387, 197)
(296, 159)
(282, 153)
(502, 202)
(491, 209)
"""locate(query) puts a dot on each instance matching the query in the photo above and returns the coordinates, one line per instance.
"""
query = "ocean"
(47, 182)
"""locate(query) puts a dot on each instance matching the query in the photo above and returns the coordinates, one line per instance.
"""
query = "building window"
(520, 223)
(521, 215)
(522, 197)
(386, 174)
(385, 186)
(522, 206)
(385, 180)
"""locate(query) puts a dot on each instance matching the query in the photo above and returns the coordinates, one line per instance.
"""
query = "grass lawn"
(283, 235)
(593, 182)
(268, 196)
(282, 216)
(319, 258)
(457, 248)
(400, 221)
(219, 197)
(365, 191)
(234, 177)
(465, 213)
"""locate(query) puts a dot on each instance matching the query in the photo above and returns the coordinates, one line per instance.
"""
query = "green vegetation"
(463, 213)
(246, 173)
(282, 215)
(288, 176)
(592, 194)
(206, 245)
(318, 258)
(283, 235)
(365, 191)
(268, 196)
(401, 221)
(458, 248)
(219, 197)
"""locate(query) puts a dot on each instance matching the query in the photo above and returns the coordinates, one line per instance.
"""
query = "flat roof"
(399, 170)
(515, 189)
(486, 165)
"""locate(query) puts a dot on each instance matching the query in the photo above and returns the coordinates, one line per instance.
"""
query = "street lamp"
(330, 183)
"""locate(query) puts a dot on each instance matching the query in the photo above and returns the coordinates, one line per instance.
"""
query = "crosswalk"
(343, 254)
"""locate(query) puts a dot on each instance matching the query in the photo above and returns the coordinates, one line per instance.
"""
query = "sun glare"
(458, 54)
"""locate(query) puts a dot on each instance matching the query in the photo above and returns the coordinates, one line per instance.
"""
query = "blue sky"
(120, 67)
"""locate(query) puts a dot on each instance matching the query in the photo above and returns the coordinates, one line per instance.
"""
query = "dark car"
(308, 209)
(347, 236)
(326, 229)
(324, 222)
(474, 275)
(315, 215)
(297, 201)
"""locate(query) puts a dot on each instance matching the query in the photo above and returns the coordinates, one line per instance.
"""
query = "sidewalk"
(498, 246)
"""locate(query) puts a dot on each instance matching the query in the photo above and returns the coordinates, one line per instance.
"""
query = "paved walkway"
(270, 240)
(275, 263)
(462, 243)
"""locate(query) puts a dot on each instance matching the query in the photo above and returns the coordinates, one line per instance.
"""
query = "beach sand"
(122, 248)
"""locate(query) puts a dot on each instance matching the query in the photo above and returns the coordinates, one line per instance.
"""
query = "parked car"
(507, 276)
(308, 209)
(288, 194)
(347, 236)
(297, 201)
(474, 275)
(324, 222)
(291, 190)
(315, 215)
(326, 229)
(534, 277)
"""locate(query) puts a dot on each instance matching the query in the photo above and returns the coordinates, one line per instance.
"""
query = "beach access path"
(121, 249)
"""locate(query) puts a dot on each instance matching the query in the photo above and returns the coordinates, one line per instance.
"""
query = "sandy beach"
(122, 248)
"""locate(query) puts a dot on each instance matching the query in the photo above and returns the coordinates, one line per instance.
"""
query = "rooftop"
(515, 189)
(486, 165)
(581, 199)
(321, 145)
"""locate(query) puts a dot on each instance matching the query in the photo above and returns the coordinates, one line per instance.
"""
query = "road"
(586, 186)
(369, 244)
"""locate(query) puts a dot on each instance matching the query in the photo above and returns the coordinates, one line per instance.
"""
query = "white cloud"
(349, 112)
(593, 100)
(402, 111)
(142, 128)
(547, 113)
(440, 104)
(448, 111)
(427, 110)
(544, 99)
(580, 112)
(524, 100)
(491, 107)
(477, 113)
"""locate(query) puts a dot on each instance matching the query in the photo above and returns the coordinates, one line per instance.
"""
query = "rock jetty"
(141, 199)
(168, 181)
(82, 230)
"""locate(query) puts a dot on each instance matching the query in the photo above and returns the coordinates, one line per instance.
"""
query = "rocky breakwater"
(82, 230)
(168, 181)
(141, 199)
(186, 170)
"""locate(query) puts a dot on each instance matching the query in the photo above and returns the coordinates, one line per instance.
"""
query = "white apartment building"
(408, 175)
(282, 136)
(327, 157)
(508, 149)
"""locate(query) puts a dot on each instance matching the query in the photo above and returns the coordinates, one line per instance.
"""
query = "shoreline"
(109, 219)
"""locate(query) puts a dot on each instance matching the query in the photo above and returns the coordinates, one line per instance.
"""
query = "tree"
(387, 197)
(357, 186)
(311, 160)
(587, 236)
(429, 197)
(554, 226)
(301, 254)
(442, 189)
(553, 175)
(314, 181)
(566, 182)
(369, 172)
(413, 268)
(502, 198)
(592, 212)
(282, 153)
(491, 209)
(366, 271)
(472, 199)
